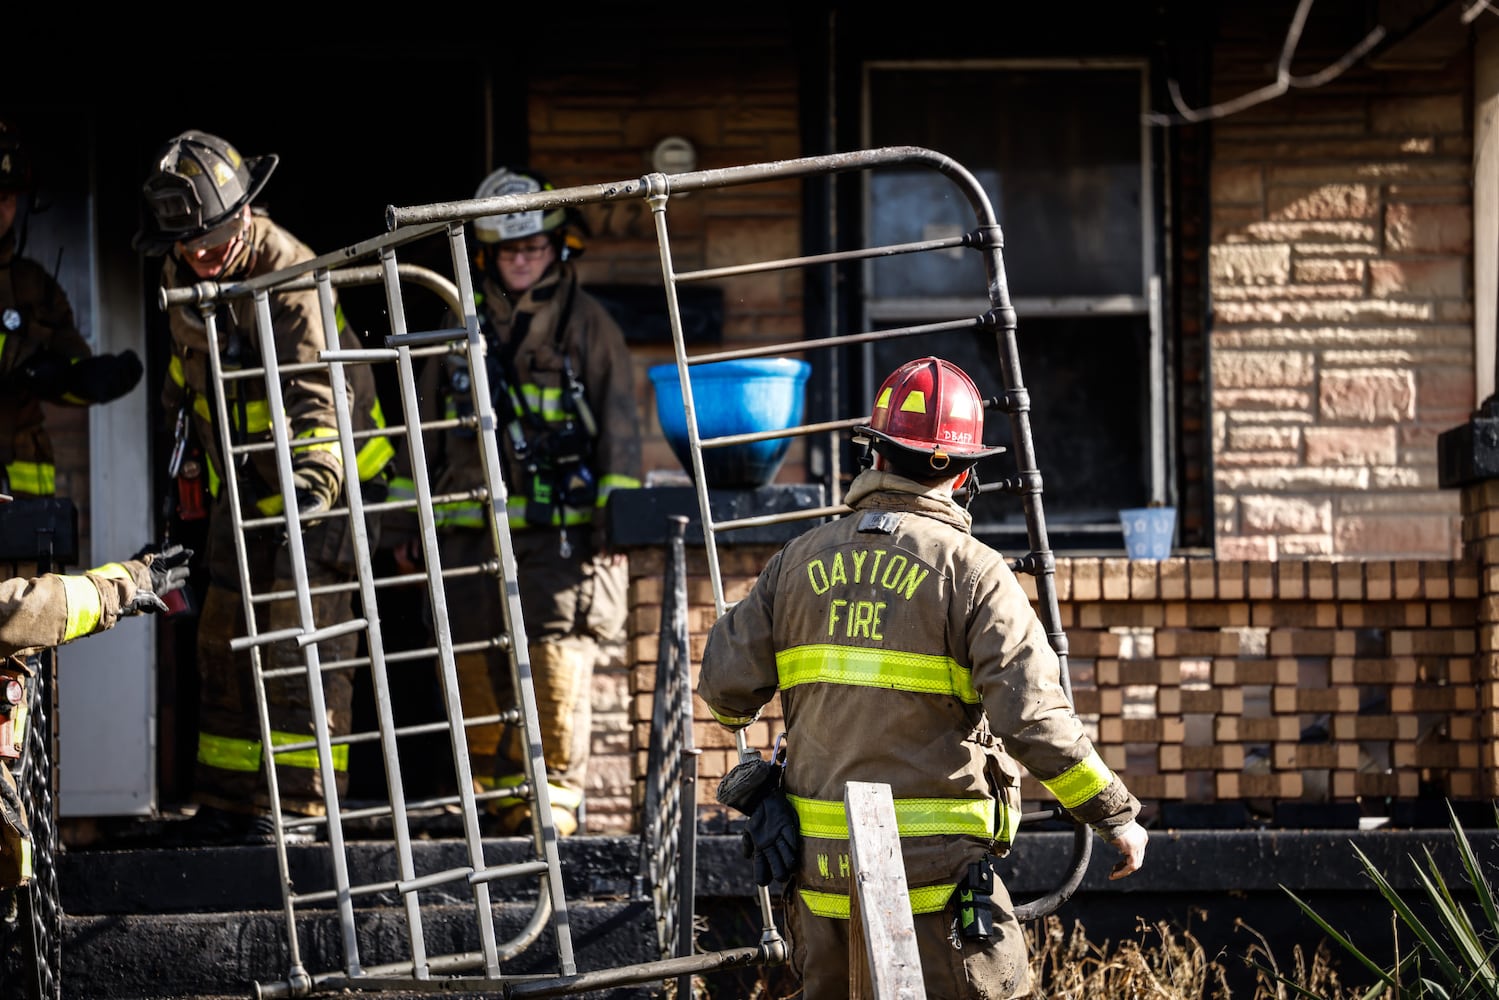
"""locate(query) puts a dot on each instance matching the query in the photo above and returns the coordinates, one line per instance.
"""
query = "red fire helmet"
(929, 408)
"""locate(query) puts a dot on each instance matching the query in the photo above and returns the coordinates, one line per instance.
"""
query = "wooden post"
(883, 962)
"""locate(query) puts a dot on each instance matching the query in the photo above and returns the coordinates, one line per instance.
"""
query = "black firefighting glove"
(773, 838)
(316, 488)
(103, 377)
(43, 376)
(169, 571)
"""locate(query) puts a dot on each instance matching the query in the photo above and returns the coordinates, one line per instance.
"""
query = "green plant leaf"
(1428, 940)
(1338, 936)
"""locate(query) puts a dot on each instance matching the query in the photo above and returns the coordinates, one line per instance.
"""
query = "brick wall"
(729, 89)
(1214, 681)
(733, 94)
(1342, 339)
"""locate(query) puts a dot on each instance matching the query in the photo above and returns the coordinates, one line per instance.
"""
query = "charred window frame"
(1063, 150)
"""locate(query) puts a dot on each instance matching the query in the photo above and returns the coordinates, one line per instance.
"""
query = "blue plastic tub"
(733, 397)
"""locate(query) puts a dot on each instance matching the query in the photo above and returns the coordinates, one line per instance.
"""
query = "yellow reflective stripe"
(112, 571)
(174, 369)
(257, 411)
(272, 504)
(37, 478)
(545, 401)
(402, 488)
(609, 483)
(2, 342)
(18, 720)
(515, 509)
(317, 439)
(493, 784)
(882, 668)
(1009, 824)
(373, 456)
(229, 753)
(307, 758)
(1081, 781)
(459, 514)
(84, 606)
(827, 820)
(835, 905)
(732, 721)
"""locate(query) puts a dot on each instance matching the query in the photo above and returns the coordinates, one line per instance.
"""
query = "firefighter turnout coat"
(35, 316)
(568, 431)
(53, 609)
(39, 613)
(230, 760)
(550, 341)
(906, 653)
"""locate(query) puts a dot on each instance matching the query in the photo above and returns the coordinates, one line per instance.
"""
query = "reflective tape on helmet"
(1081, 781)
(857, 666)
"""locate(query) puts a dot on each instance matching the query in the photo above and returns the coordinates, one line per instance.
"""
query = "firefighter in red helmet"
(896, 613)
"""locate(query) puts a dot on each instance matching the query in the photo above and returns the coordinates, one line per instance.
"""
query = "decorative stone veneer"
(1208, 681)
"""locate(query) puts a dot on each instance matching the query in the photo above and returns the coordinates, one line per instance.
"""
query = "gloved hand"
(43, 375)
(103, 377)
(169, 571)
(773, 838)
(316, 488)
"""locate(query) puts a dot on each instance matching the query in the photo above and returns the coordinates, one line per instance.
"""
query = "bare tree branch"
(1284, 81)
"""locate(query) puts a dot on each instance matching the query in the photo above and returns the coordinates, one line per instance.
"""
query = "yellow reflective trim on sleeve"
(856, 666)
(1081, 781)
(317, 439)
(732, 721)
(174, 369)
(402, 488)
(112, 571)
(373, 457)
(827, 819)
(835, 905)
(36, 478)
(270, 505)
(84, 606)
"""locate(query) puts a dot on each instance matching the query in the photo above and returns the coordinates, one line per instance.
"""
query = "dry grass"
(1168, 963)
(1165, 963)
